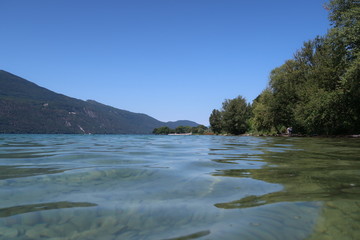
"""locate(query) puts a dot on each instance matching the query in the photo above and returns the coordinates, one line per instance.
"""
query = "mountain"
(28, 108)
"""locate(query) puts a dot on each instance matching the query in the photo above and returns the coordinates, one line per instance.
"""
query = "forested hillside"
(315, 92)
(28, 108)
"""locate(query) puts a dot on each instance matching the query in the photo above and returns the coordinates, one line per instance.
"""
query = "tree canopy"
(315, 92)
(232, 118)
(200, 129)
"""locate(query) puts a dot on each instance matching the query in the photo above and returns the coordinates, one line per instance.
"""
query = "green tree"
(318, 114)
(216, 121)
(315, 92)
(183, 129)
(263, 114)
(236, 114)
(199, 129)
(284, 90)
(162, 130)
(345, 18)
(322, 90)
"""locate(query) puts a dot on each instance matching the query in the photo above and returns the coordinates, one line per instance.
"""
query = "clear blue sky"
(170, 59)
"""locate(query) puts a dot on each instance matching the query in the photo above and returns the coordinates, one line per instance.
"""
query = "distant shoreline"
(220, 135)
(294, 135)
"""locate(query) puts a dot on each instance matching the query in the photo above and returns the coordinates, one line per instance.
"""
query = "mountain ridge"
(26, 107)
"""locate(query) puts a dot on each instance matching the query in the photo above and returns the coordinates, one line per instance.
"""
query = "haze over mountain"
(28, 108)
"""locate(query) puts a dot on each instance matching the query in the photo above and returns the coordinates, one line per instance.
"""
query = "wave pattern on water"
(177, 187)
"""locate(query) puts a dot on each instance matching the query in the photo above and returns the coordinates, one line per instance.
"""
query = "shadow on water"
(9, 172)
(11, 211)
(191, 236)
(310, 170)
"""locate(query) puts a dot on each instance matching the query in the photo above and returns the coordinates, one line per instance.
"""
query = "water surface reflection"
(325, 171)
(178, 187)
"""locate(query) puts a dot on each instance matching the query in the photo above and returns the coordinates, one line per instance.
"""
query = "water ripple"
(177, 187)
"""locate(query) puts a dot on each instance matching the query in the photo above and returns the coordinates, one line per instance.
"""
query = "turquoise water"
(178, 187)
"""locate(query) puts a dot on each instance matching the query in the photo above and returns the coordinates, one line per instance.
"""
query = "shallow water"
(178, 187)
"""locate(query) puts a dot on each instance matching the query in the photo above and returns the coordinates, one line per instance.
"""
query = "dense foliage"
(316, 92)
(164, 130)
(233, 118)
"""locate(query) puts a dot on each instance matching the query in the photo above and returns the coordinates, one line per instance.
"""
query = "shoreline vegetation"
(203, 130)
(316, 93)
(182, 130)
(292, 135)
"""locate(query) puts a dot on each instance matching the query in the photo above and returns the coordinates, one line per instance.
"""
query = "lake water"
(178, 187)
